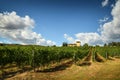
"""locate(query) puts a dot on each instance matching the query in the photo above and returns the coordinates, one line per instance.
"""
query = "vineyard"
(33, 57)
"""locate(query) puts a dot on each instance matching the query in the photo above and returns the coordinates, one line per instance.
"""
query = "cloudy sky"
(51, 22)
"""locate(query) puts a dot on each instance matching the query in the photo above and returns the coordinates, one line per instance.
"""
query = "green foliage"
(99, 58)
(114, 44)
(64, 44)
(85, 45)
(36, 56)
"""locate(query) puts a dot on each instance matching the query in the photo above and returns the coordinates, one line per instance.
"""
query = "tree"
(65, 44)
(105, 44)
(114, 44)
(85, 45)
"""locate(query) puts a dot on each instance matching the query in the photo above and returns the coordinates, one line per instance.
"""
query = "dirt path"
(109, 70)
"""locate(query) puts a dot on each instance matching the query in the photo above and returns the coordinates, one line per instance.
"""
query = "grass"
(87, 60)
(109, 70)
(99, 58)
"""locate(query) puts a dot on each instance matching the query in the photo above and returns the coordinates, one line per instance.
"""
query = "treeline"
(113, 44)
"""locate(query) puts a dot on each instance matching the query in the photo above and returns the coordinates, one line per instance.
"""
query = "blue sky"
(56, 21)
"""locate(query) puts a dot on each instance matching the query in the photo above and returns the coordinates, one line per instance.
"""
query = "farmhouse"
(78, 43)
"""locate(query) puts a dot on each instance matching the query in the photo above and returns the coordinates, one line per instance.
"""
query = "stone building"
(78, 43)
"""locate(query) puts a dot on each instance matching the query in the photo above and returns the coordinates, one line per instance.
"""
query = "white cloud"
(91, 38)
(105, 3)
(19, 29)
(109, 31)
(69, 38)
(1, 42)
(112, 5)
(103, 20)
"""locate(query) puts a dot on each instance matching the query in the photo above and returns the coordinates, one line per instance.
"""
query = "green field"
(18, 59)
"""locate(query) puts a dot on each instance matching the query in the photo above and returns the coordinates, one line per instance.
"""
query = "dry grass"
(87, 60)
(99, 58)
(111, 58)
(109, 70)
